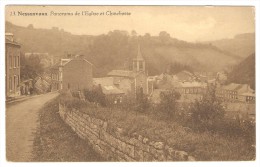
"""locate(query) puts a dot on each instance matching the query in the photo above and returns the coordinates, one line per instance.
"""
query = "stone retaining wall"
(115, 146)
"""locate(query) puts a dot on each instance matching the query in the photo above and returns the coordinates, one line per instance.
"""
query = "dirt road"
(21, 124)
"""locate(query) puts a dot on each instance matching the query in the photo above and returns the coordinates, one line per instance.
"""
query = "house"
(12, 68)
(75, 74)
(113, 95)
(248, 97)
(132, 82)
(234, 92)
(205, 75)
(185, 76)
(42, 84)
(55, 71)
(191, 91)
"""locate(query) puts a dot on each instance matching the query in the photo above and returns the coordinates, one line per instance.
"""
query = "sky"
(189, 23)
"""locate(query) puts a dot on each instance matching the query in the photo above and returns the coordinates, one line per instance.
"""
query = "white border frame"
(3, 161)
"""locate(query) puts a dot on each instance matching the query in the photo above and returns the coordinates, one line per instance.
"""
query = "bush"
(71, 102)
(168, 103)
(207, 112)
(96, 96)
(142, 104)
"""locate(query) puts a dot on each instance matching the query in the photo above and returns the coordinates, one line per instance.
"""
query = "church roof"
(124, 73)
(139, 54)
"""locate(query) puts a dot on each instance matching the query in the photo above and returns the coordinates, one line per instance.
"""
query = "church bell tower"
(139, 62)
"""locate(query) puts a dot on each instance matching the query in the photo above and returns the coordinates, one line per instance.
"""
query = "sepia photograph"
(130, 83)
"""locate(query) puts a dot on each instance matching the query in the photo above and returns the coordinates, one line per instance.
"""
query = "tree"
(133, 33)
(147, 35)
(165, 37)
(31, 67)
(208, 111)
(176, 67)
(95, 96)
(30, 26)
(141, 100)
(168, 102)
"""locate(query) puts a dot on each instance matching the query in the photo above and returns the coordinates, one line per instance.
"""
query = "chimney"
(69, 56)
(80, 56)
(9, 36)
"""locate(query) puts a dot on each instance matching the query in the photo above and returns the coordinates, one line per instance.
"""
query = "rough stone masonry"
(118, 147)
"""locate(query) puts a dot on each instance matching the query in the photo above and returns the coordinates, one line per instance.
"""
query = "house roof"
(231, 86)
(63, 62)
(11, 42)
(240, 88)
(107, 85)
(248, 94)
(105, 81)
(111, 90)
(124, 73)
(184, 75)
(234, 86)
(192, 84)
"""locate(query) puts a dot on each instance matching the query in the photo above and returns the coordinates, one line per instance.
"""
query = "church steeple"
(139, 62)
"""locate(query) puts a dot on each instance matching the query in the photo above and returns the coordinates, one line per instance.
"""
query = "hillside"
(244, 72)
(116, 49)
(241, 45)
(53, 41)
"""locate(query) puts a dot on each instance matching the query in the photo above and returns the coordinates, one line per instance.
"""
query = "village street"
(21, 123)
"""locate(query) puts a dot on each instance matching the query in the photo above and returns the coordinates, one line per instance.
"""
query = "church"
(134, 81)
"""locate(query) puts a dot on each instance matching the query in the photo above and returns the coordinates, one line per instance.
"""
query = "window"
(196, 90)
(11, 61)
(14, 83)
(15, 61)
(10, 84)
(18, 61)
(135, 65)
(141, 65)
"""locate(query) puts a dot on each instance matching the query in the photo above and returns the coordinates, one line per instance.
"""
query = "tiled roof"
(185, 75)
(107, 85)
(123, 73)
(109, 90)
(240, 88)
(193, 84)
(11, 42)
(63, 62)
(232, 86)
(105, 81)
(248, 94)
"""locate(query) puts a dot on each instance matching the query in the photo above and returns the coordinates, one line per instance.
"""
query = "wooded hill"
(116, 49)
(244, 72)
(242, 45)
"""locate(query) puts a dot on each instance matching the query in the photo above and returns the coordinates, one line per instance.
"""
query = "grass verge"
(204, 146)
(56, 142)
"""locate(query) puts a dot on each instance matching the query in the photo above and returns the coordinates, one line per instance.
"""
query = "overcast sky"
(183, 22)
